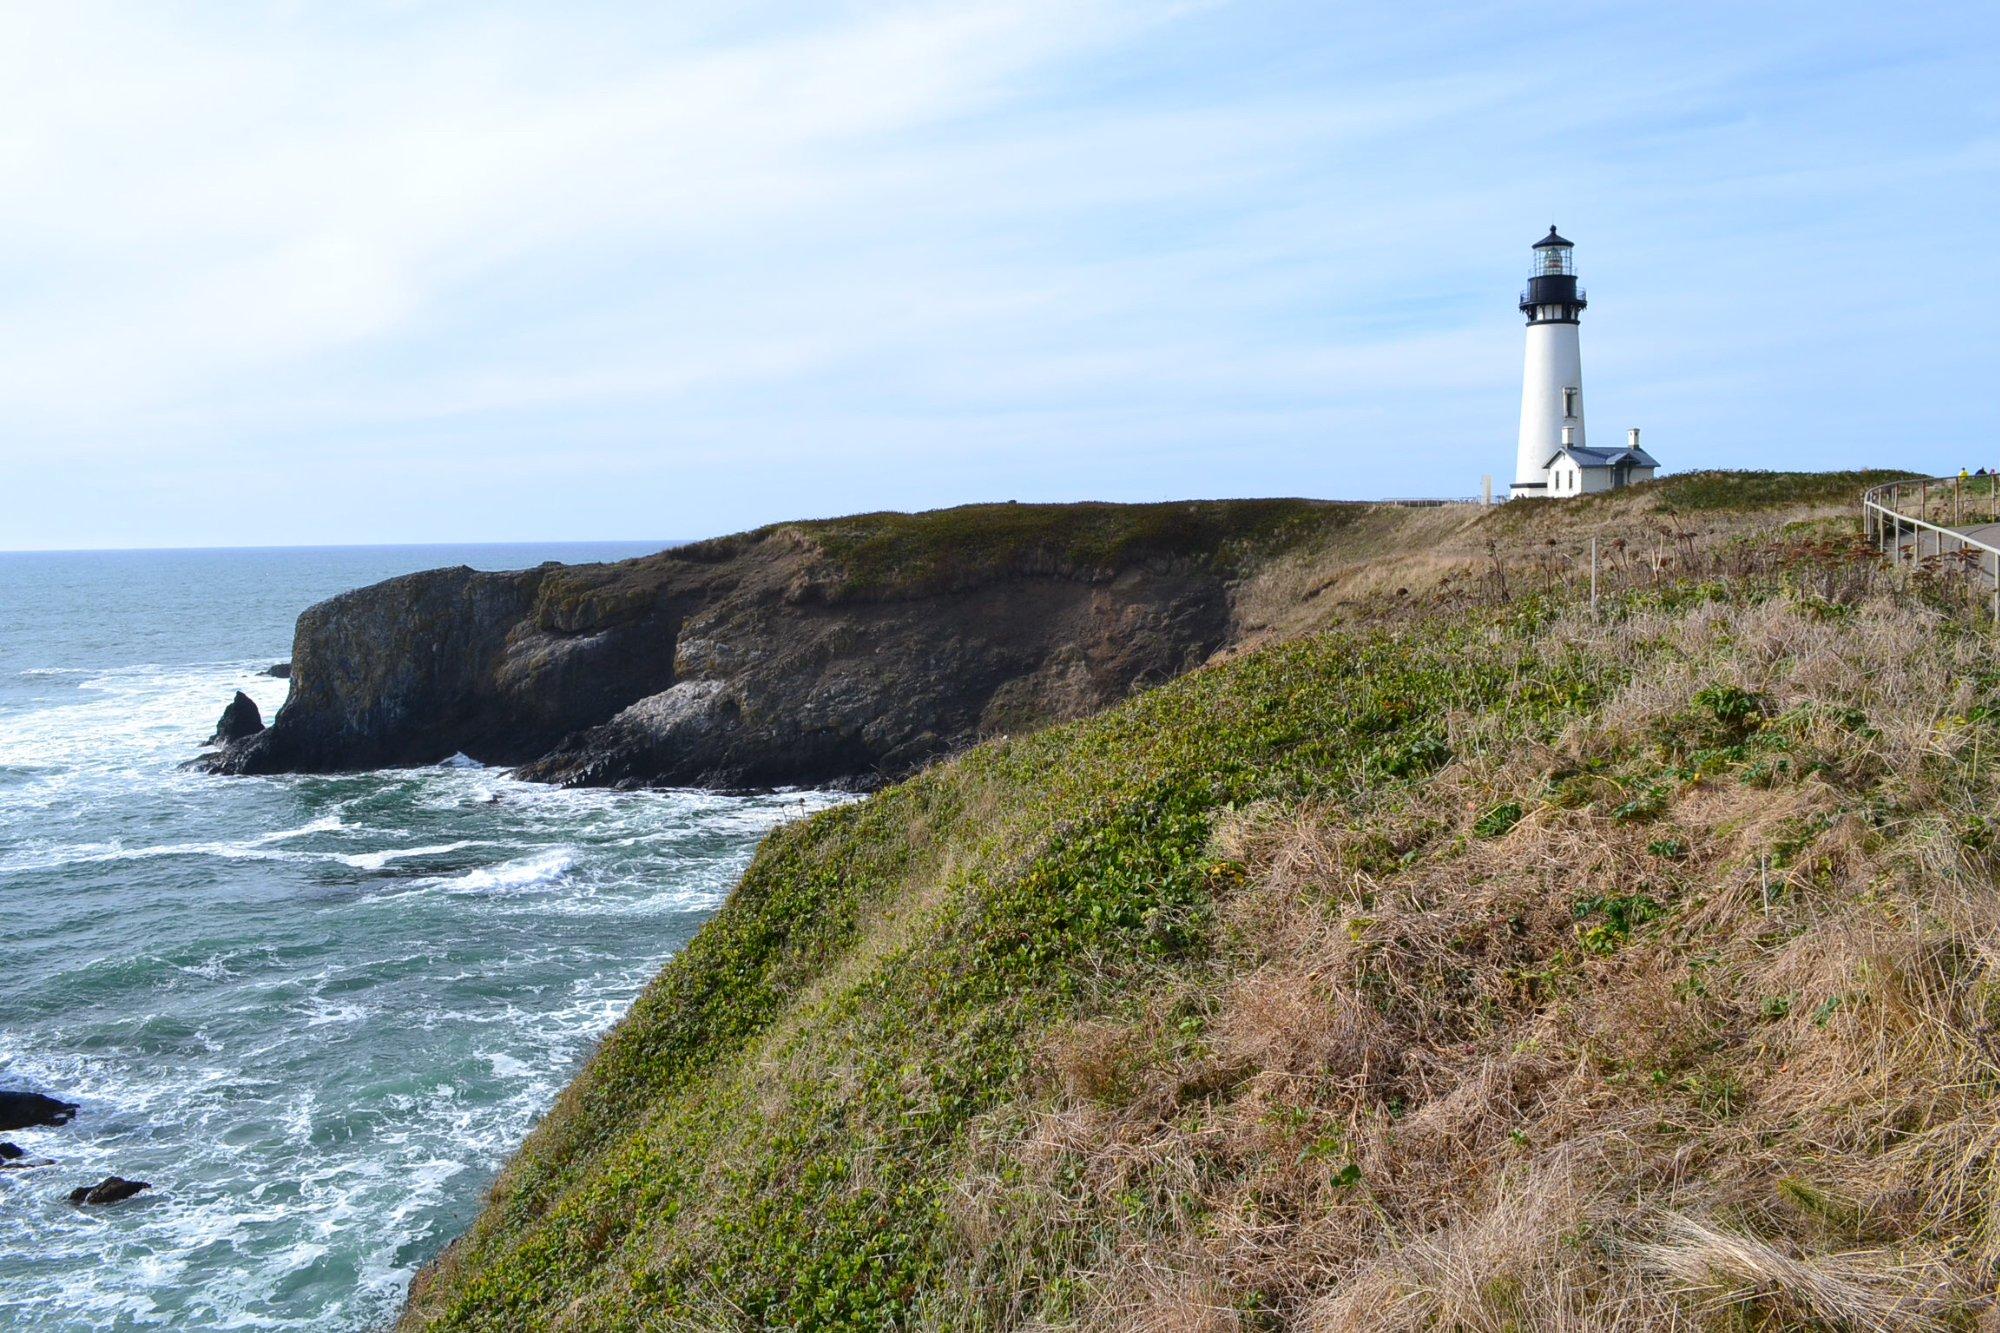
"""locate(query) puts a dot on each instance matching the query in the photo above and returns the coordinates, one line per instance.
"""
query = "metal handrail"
(1883, 520)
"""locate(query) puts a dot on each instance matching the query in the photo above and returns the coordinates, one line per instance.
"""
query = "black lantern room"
(1552, 296)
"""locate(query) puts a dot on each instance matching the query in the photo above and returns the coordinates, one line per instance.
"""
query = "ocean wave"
(377, 860)
(105, 854)
(108, 854)
(213, 968)
(324, 824)
(262, 847)
(546, 867)
(320, 1012)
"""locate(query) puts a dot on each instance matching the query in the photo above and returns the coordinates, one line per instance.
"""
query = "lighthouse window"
(1569, 402)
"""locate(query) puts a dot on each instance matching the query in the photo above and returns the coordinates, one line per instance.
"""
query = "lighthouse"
(1552, 380)
(1551, 459)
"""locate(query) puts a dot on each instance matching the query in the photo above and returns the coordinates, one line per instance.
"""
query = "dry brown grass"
(1390, 563)
(1427, 1096)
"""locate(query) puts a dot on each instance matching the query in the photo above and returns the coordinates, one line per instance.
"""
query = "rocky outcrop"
(844, 652)
(111, 1189)
(279, 670)
(26, 1110)
(239, 721)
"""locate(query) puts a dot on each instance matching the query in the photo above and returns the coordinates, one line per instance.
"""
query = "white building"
(1552, 458)
(1576, 470)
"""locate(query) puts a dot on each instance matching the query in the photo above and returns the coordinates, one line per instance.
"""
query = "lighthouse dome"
(1552, 240)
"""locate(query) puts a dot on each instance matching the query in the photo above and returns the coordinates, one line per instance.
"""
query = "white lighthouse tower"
(1552, 382)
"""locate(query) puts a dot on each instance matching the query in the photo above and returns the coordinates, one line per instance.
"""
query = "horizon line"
(663, 543)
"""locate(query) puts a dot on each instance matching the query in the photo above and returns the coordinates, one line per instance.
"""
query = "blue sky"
(288, 273)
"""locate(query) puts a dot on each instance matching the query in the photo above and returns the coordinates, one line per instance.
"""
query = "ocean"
(315, 1012)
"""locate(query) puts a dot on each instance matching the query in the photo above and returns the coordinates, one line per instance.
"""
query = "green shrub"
(1498, 820)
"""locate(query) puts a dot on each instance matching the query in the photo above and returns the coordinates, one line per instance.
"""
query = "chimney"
(1632, 438)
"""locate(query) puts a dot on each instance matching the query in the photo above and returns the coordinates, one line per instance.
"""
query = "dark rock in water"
(239, 721)
(24, 1110)
(281, 670)
(849, 652)
(13, 1157)
(108, 1190)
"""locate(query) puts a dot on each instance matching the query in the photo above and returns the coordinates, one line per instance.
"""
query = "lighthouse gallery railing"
(1886, 518)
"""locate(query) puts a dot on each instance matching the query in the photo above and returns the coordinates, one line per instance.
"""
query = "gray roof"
(1584, 456)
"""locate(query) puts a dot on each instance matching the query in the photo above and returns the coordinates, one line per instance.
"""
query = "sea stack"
(238, 720)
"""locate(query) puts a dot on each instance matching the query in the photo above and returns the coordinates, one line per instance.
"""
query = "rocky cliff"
(847, 651)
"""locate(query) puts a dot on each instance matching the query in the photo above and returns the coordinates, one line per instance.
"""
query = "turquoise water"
(315, 1012)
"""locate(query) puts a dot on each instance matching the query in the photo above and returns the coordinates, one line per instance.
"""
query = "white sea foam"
(377, 860)
(507, 1066)
(324, 824)
(321, 1012)
(545, 867)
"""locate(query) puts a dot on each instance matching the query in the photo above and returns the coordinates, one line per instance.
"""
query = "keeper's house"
(1577, 470)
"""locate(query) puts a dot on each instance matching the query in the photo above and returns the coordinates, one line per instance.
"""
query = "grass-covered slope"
(1511, 969)
(1527, 966)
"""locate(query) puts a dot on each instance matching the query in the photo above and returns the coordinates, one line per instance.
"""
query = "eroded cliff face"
(800, 654)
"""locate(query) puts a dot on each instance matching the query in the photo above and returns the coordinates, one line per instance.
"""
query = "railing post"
(1994, 601)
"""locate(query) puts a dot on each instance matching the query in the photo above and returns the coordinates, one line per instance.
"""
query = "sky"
(278, 273)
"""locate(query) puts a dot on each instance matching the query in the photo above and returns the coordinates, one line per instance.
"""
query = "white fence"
(1935, 518)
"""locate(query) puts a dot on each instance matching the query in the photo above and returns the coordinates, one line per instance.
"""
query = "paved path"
(1924, 543)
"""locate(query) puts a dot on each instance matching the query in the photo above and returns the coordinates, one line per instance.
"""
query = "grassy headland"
(1478, 963)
